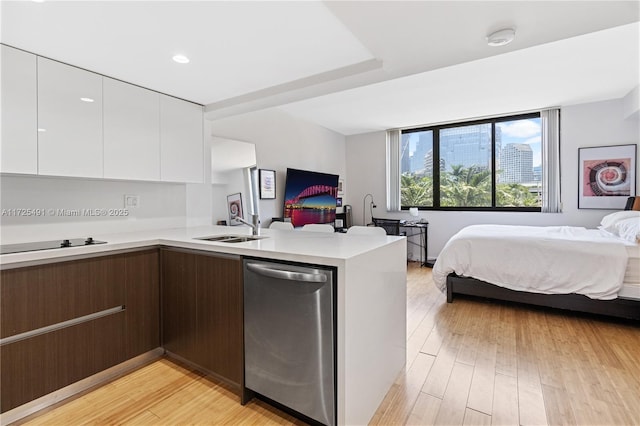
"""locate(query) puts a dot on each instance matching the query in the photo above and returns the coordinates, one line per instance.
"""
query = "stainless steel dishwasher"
(289, 336)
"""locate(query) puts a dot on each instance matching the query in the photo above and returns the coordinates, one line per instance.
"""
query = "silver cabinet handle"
(285, 274)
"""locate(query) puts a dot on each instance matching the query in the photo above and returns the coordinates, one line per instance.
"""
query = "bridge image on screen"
(310, 197)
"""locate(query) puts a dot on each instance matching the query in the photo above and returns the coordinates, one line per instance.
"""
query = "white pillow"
(628, 229)
(609, 221)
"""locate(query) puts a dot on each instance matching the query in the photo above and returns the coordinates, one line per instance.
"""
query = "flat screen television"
(310, 197)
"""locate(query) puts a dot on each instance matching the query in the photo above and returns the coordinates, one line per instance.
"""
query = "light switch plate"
(131, 201)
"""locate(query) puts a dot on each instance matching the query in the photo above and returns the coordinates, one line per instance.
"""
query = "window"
(493, 164)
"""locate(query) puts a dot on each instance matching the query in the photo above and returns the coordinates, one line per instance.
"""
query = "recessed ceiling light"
(38, 1)
(41, 130)
(181, 59)
(86, 99)
(501, 37)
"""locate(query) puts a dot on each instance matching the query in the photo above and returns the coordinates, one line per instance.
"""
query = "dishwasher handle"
(284, 274)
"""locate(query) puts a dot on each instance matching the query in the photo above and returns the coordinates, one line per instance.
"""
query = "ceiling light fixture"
(501, 37)
(86, 100)
(181, 59)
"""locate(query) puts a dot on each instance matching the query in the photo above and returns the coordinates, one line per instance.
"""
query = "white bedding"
(552, 259)
(631, 285)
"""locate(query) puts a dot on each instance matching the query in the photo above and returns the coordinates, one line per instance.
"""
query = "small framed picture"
(340, 187)
(607, 176)
(234, 206)
(267, 180)
(338, 202)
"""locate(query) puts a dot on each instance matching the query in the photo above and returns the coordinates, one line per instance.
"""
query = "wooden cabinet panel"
(202, 311)
(19, 148)
(42, 364)
(143, 302)
(179, 303)
(70, 116)
(219, 309)
(39, 296)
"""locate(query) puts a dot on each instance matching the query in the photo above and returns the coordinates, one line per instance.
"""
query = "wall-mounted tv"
(310, 197)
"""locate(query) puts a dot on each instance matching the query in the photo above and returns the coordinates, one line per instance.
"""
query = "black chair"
(391, 226)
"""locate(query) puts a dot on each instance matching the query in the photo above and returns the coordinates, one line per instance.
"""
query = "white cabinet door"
(181, 141)
(131, 131)
(19, 143)
(70, 121)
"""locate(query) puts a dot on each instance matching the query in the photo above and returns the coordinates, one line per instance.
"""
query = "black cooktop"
(48, 245)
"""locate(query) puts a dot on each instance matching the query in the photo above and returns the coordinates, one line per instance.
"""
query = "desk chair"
(391, 226)
(318, 227)
(287, 226)
(366, 230)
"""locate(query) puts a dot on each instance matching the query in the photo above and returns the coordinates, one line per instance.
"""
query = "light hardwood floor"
(471, 362)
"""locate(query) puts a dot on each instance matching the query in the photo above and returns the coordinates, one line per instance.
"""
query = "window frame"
(436, 158)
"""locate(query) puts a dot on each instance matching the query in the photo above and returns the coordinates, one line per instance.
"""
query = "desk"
(420, 230)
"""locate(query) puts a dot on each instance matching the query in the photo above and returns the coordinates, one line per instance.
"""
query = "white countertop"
(299, 246)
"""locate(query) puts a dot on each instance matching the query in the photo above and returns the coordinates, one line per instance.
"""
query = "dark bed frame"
(619, 308)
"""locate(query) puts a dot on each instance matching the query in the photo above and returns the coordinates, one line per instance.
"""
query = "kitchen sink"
(230, 238)
(240, 239)
(217, 238)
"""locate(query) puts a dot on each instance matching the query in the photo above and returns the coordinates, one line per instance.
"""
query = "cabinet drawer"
(42, 364)
(40, 296)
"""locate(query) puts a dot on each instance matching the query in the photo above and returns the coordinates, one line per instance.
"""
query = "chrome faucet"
(255, 223)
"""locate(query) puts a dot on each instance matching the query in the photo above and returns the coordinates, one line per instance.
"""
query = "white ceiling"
(351, 66)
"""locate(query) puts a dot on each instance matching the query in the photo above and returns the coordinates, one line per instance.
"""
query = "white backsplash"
(72, 208)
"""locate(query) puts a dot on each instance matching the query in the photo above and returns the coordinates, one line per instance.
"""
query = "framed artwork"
(234, 207)
(338, 202)
(267, 180)
(607, 176)
(341, 187)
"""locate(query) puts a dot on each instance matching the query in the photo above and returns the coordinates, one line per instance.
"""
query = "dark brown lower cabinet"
(48, 295)
(178, 288)
(42, 364)
(143, 302)
(202, 311)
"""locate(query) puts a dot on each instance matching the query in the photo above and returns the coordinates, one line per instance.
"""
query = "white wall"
(593, 124)
(283, 141)
(162, 205)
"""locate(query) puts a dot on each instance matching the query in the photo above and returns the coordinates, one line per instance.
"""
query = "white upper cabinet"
(19, 143)
(69, 121)
(181, 141)
(59, 120)
(131, 131)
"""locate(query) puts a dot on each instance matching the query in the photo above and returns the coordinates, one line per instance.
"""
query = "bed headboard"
(633, 203)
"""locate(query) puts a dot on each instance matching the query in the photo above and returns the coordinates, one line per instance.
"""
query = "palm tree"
(416, 191)
(515, 195)
(465, 187)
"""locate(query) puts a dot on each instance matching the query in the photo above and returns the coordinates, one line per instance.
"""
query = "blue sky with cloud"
(523, 131)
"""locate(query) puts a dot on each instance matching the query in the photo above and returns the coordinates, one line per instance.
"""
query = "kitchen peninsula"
(370, 301)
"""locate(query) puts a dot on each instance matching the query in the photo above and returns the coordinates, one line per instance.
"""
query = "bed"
(594, 271)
